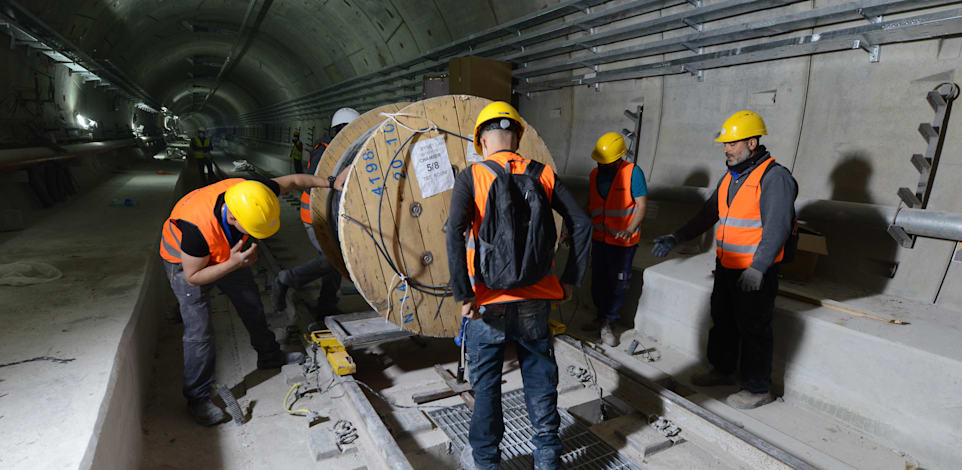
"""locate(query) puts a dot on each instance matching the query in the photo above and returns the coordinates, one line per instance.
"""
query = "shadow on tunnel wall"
(861, 253)
(860, 261)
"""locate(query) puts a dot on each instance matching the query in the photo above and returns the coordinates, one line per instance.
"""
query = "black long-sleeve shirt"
(461, 216)
(777, 205)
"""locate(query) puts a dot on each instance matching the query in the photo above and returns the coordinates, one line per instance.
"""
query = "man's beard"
(739, 159)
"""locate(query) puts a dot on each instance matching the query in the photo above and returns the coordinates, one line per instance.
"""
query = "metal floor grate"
(581, 449)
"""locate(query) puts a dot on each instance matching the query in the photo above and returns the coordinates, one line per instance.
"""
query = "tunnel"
(348, 320)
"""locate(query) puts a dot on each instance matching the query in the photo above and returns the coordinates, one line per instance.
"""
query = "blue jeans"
(610, 278)
(525, 324)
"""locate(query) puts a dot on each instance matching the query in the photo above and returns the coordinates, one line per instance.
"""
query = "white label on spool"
(472, 155)
(432, 166)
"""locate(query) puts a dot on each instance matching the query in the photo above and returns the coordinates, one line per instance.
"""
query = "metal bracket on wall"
(635, 135)
(940, 99)
(872, 50)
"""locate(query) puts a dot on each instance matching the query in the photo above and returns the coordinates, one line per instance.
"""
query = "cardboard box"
(811, 245)
(435, 85)
(476, 76)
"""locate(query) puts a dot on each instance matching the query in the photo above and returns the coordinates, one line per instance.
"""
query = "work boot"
(280, 358)
(712, 378)
(467, 459)
(278, 294)
(607, 335)
(593, 325)
(745, 400)
(206, 413)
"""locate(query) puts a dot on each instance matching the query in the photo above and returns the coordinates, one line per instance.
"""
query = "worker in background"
(200, 149)
(518, 315)
(297, 151)
(319, 267)
(617, 200)
(755, 203)
(202, 247)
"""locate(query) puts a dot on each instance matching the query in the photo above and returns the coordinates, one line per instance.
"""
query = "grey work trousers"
(240, 287)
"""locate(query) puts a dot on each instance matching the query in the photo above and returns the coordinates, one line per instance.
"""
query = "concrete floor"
(50, 412)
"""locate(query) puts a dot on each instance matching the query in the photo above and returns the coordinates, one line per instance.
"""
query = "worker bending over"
(617, 200)
(200, 149)
(202, 246)
(297, 150)
(318, 267)
(755, 203)
(487, 243)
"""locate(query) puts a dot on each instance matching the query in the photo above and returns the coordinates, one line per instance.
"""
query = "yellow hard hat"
(741, 125)
(609, 148)
(498, 109)
(255, 207)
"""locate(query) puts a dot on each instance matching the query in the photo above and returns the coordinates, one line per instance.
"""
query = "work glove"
(663, 245)
(750, 280)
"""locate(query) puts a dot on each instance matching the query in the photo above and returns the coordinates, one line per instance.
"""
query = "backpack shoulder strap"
(534, 169)
(493, 167)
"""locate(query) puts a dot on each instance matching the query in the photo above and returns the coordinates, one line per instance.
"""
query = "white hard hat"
(344, 116)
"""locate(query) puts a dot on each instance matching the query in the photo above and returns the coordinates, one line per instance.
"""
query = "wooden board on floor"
(320, 197)
(414, 240)
(352, 329)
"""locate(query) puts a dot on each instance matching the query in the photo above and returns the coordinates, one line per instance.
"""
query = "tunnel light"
(85, 123)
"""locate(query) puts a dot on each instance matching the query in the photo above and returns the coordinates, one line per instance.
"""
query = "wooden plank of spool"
(411, 235)
(320, 209)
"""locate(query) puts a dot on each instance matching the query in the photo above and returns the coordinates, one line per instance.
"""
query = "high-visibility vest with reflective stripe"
(306, 195)
(613, 213)
(296, 150)
(548, 288)
(740, 224)
(197, 207)
(200, 147)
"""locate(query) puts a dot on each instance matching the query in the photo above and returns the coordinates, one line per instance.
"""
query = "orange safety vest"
(612, 214)
(306, 195)
(548, 288)
(740, 225)
(197, 207)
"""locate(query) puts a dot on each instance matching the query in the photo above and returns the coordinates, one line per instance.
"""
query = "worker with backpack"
(501, 238)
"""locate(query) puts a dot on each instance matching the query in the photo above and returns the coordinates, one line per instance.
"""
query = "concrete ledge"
(85, 413)
(897, 383)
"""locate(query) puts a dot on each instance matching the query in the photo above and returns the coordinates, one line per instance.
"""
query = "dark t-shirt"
(192, 241)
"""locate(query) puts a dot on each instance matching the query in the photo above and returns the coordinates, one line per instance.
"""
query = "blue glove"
(750, 280)
(663, 245)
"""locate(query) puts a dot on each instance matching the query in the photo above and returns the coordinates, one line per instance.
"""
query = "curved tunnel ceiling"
(174, 49)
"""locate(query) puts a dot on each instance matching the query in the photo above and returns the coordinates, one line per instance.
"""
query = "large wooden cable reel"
(383, 205)
(335, 157)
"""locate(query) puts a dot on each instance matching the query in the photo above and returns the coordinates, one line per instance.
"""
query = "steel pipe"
(919, 222)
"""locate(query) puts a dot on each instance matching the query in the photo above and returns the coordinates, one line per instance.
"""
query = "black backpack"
(517, 235)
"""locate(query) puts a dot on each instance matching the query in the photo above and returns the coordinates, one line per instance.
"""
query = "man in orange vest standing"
(500, 243)
(754, 206)
(202, 246)
(318, 267)
(617, 200)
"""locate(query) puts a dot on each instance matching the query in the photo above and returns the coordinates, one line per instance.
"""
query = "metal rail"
(685, 409)
(26, 28)
(944, 23)
(537, 45)
(696, 41)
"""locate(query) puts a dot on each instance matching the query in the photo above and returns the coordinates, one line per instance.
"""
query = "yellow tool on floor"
(556, 327)
(337, 356)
